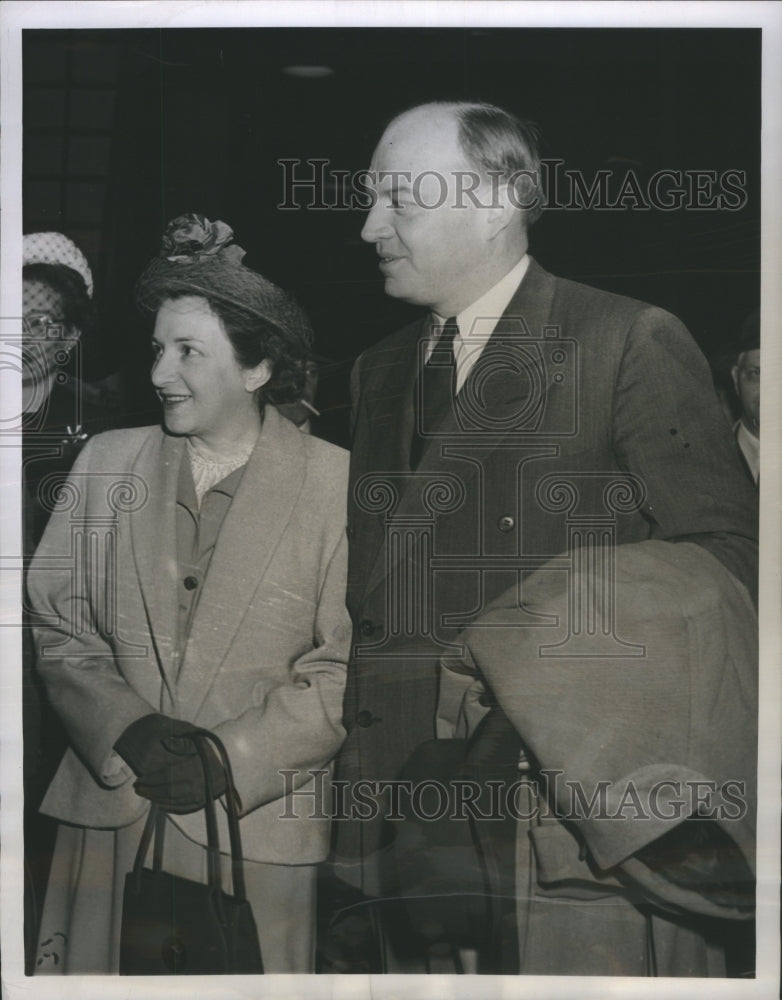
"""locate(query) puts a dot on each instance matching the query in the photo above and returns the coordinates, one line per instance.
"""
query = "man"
(555, 395)
(746, 381)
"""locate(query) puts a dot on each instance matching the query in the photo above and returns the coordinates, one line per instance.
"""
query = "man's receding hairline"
(447, 110)
(457, 112)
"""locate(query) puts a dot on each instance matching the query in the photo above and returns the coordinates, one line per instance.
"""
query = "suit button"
(366, 627)
(506, 523)
(364, 719)
(190, 583)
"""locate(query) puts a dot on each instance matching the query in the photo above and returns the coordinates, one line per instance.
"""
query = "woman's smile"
(169, 399)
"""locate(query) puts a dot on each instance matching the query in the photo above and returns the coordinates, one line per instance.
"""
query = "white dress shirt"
(750, 448)
(477, 322)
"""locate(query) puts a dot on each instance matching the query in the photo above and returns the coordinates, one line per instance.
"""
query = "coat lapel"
(153, 534)
(521, 391)
(389, 419)
(249, 536)
(510, 361)
(391, 405)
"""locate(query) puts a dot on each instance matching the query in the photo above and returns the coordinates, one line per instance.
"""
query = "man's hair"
(749, 337)
(498, 141)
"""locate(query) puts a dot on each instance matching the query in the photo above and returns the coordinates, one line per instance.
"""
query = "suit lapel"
(391, 406)
(385, 446)
(525, 319)
(249, 536)
(153, 538)
(510, 351)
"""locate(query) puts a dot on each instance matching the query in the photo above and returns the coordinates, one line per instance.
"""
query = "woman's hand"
(180, 787)
(167, 764)
(142, 746)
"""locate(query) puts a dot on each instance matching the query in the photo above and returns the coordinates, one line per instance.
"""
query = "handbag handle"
(156, 821)
(200, 737)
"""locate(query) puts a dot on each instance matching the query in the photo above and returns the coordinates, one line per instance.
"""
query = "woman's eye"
(38, 325)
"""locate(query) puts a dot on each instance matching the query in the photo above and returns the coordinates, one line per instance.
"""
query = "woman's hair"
(69, 285)
(262, 322)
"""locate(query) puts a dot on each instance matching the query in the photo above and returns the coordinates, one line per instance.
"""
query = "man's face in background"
(746, 379)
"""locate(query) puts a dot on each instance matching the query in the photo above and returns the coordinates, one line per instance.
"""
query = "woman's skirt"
(82, 913)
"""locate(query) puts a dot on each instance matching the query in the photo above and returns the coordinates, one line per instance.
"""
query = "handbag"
(175, 925)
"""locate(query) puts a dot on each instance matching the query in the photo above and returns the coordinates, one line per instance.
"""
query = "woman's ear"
(255, 378)
(71, 334)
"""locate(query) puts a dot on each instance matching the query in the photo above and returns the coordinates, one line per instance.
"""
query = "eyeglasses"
(42, 326)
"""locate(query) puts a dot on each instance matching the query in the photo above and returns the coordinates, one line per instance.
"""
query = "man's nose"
(377, 225)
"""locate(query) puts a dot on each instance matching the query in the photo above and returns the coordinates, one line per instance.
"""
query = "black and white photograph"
(390, 560)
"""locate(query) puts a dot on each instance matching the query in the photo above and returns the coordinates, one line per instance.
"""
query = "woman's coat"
(264, 663)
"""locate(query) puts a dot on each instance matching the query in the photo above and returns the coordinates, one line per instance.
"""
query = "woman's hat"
(55, 248)
(199, 257)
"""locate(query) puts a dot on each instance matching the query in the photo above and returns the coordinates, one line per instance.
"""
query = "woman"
(220, 542)
(59, 413)
(59, 410)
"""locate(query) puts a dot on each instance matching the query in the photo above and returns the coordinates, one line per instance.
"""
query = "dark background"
(126, 129)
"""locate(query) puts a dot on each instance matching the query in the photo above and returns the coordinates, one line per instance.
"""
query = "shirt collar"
(750, 446)
(478, 320)
(186, 495)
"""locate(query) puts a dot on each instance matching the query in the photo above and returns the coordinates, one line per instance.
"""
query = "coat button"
(364, 719)
(366, 627)
(190, 583)
(506, 523)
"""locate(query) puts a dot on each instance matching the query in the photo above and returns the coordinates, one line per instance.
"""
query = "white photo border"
(15, 16)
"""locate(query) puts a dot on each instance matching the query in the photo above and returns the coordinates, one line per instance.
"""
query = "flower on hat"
(191, 237)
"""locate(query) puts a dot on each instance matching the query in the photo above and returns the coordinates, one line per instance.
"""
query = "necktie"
(435, 390)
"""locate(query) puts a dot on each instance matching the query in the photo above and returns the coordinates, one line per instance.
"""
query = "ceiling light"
(308, 72)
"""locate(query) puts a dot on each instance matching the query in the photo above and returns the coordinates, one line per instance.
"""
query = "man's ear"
(502, 209)
(255, 378)
(734, 372)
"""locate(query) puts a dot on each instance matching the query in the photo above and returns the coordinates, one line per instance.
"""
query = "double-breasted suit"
(586, 412)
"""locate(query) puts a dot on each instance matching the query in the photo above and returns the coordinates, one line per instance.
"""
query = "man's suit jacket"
(586, 411)
(264, 664)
